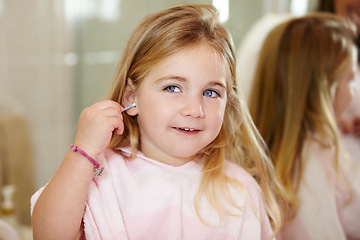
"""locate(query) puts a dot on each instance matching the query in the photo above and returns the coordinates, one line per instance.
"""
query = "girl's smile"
(189, 92)
(191, 130)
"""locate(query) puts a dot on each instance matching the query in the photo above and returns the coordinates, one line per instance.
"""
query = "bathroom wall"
(34, 79)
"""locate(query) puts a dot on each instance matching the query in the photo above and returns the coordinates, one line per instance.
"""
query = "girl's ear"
(129, 97)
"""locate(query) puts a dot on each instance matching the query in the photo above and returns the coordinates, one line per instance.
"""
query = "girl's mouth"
(187, 129)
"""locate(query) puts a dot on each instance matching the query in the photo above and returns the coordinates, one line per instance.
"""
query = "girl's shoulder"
(113, 161)
(246, 180)
(235, 171)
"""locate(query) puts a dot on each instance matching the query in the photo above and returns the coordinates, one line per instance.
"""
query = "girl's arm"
(59, 209)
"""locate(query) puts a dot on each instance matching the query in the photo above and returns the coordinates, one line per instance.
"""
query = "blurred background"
(58, 57)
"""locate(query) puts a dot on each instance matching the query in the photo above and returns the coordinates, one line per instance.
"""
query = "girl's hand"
(96, 126)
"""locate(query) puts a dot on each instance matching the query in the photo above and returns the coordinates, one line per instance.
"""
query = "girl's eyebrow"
(167, 78)
(182, 79)
(220, 84)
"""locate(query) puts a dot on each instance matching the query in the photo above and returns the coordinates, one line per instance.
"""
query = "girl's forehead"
(193, 51)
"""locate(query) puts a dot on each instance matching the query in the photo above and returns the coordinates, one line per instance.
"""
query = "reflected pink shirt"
(323, 212)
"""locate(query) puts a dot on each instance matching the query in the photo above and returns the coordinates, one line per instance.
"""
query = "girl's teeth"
(187, 129)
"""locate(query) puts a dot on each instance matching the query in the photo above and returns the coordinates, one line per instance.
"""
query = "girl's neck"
(168, 159)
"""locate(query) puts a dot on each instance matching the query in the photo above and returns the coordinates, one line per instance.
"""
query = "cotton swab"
(128, 107)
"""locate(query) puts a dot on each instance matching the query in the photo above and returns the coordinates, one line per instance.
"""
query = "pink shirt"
(322, 214)
(146, 199)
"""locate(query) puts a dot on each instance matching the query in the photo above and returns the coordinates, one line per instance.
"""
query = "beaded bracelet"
(98, 170)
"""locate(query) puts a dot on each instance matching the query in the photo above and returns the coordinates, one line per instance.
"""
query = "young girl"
(180, 162)
(301, 85)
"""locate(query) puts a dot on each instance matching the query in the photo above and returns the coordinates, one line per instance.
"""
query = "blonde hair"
(291, 100)
(159, 36)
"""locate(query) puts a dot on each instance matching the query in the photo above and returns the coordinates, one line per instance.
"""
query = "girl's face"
(181, 104)
(343, 94)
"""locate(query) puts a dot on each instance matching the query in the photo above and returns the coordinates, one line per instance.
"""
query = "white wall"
(33, 41)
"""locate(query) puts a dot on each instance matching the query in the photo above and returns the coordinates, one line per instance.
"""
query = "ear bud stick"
(128, 107)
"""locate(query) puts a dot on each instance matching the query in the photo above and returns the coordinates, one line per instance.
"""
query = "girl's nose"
(193, 107)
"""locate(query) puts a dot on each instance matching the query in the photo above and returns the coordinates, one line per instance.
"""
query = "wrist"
(88, 148)
(97, 168)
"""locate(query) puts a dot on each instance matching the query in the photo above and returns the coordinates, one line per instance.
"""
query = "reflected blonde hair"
(300, 61)
(159, 36)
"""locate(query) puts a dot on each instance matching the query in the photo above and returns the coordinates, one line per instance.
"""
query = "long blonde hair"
(291, 99)
(164, 33)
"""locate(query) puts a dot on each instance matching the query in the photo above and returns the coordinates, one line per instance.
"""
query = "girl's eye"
(172, 88)
(211, 93)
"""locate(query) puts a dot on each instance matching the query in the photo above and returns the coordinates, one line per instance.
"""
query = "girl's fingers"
(111, 112)
(115, 124)
(106, 104)
(97, 124)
